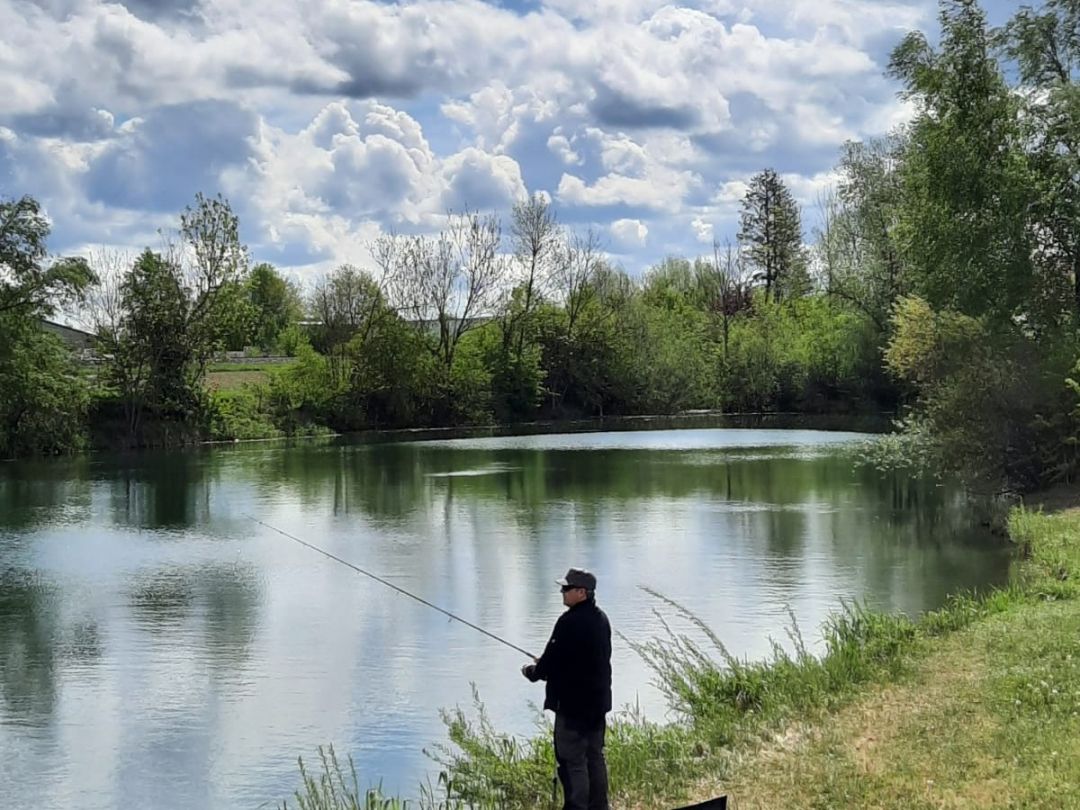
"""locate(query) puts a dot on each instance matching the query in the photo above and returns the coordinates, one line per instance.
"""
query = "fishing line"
(382, 581)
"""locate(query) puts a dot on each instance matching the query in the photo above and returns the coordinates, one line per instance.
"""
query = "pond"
(159, 648)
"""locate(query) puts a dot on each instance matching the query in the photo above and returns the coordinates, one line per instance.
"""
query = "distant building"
(429, 325)
(80, 342)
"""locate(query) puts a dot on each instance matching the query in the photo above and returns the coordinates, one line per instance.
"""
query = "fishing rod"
(382, 581)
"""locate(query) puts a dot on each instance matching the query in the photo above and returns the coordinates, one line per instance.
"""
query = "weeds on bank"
(336, 787)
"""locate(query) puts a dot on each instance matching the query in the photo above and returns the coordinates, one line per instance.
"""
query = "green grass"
(973, 705)
(988, 715)
(988, 719)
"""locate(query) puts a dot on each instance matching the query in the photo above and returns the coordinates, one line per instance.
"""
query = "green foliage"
(809, 354)
(237, 318)
(487, 766)
(727, 700)
(483, 767)
(684, 338)
(966, 185)
(516, 381)
(391, 381)
(275, 304)
(168, 316)
(303, 393)
(290, 339)
(241, 413)
(29, 287)
(467, 397)
(335, 789)
(912, 446)
(43, 397)
(1045, 46)
(858, 240)
(979, 398)
(674, 358)
(157, 338)
(1052, 551)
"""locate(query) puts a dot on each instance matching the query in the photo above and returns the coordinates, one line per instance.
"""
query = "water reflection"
(141, 609)
(29, 635)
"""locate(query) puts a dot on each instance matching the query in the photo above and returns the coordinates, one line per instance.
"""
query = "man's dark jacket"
(577, 665)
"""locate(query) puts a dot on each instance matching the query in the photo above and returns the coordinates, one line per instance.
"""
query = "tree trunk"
(1076, 281)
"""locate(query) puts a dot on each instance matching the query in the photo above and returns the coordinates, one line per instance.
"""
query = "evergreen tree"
(770, 233)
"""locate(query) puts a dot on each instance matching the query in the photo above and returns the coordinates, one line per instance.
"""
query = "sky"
(327, 123)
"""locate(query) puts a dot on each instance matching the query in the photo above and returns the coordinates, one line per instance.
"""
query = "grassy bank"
(988, 716)
(974, 705)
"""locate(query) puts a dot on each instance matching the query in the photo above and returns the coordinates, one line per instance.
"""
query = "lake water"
(160, 649)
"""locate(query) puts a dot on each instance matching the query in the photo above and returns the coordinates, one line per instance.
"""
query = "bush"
(302, 394)
(982, 397)
(242, 413)
(44, 397)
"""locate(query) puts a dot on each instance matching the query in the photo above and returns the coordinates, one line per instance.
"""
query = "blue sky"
(327, 123)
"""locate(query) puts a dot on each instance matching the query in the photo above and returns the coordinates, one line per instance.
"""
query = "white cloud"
(809, 190)
(352, 115)
(853, 20)
(731, 192)
(703, 231)
(560, 145)
(637, 177)
(629, 233)
(477, 180)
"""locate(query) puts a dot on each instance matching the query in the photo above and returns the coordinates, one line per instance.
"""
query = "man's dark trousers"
(579, 752)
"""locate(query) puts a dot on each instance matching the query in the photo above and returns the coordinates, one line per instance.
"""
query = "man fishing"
(576, 663)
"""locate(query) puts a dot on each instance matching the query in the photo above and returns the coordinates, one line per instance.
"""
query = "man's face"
(571, 596)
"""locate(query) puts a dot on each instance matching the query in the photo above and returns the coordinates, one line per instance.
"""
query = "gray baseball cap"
(578, 578)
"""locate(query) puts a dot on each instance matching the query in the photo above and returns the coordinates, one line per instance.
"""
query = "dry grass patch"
(228, 380)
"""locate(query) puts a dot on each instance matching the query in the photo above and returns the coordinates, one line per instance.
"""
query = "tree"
(671, 283)
(29, 286)
(42, 397)
(582, 350)
(237, 318)
(445, 285)
(724, 287)
(668, 342)
(212, 258)
(576, 274)
(537, 247)
(155, 342)
(126, 366)
(275, 301)
(857, 244)
(169, 313)
(977, 403)
(348, 303)
(770, 234)
(1046, 48)
(390, 376)
(966, 188)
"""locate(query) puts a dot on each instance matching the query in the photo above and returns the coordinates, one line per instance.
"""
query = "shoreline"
(870, 423)
(940, 709)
